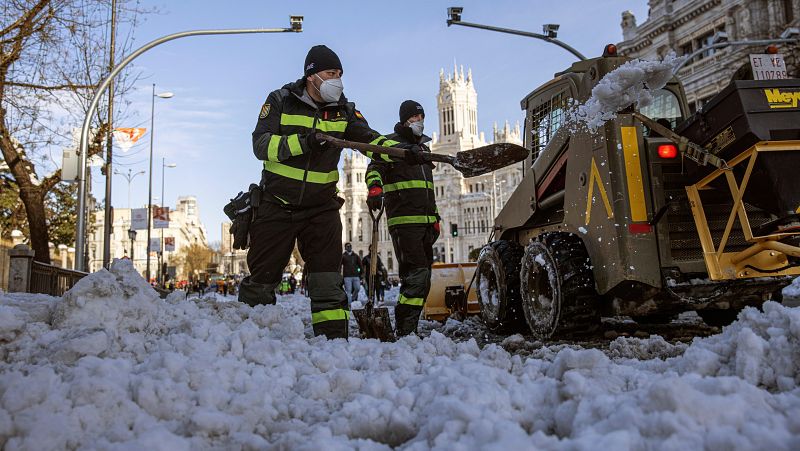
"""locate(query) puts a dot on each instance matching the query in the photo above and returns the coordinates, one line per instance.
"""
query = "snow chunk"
(631, 83)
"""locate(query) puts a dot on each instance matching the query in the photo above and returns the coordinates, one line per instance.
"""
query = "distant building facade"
(686, 26)
(184, 226)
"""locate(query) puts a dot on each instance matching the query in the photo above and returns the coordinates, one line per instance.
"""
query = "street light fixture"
(129, 177)
(551, 30)
(296, 26)
(163, 95)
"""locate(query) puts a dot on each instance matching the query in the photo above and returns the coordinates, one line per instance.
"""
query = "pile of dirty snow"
(110, 365)
(631, 83)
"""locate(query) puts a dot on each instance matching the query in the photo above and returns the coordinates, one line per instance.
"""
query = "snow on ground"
(631, 83)
(112, 366)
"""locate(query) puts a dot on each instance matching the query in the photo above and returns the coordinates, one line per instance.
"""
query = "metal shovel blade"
(374, 322)
(485, 159)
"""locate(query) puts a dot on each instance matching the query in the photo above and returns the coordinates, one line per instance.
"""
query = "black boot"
(252, 293)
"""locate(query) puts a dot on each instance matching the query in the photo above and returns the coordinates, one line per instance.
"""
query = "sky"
(390, 52)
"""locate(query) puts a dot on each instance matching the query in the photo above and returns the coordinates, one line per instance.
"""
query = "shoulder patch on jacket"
(359, 115)
(264, 111)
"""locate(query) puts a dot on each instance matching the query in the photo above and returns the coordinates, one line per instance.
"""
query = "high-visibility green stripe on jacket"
(408, 189)
(293, 174)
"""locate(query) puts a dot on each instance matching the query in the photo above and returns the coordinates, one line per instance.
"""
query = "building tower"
(457, 105)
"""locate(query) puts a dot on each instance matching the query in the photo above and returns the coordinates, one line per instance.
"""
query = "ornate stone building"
(468, 204)
(686, 26)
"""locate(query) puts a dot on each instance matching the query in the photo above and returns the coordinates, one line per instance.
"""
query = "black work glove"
(414, 155)
(316, 145)
(375, 198)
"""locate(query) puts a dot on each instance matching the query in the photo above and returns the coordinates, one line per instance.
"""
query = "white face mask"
(417, 127)
(330, 90)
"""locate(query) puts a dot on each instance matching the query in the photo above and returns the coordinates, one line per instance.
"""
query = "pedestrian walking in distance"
(351, 272)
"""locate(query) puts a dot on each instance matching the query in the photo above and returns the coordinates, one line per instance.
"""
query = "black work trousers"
(413, 245)
(318, 233)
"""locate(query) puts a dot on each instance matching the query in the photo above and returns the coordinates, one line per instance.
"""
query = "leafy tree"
(194, 257)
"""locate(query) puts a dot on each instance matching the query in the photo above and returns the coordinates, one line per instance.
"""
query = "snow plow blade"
(471, 163)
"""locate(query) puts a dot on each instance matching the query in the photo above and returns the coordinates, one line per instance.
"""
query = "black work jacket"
(408, 189)
(293, 175)
(351, 265)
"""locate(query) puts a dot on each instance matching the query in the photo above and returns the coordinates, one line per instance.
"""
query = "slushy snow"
(111, 366)
(632, 83)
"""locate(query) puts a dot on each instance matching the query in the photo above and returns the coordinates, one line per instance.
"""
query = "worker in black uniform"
(298, 185)
(411, 215)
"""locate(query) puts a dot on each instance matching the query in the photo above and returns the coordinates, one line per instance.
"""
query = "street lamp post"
(721, 42)
(132, 236)
(164, 167)
(163, 95)
(551, 30)
(129, 177)
(296, 26)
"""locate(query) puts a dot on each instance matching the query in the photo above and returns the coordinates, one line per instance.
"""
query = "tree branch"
(68, 86)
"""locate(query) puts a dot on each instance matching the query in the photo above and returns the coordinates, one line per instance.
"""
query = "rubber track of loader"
(579, 311)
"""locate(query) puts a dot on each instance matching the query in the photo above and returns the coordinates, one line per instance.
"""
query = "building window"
(389, 260)
(788, 11)
(348, 179)
(360, 230)
(685, 49)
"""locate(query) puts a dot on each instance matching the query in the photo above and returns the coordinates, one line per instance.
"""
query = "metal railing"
(52, 280)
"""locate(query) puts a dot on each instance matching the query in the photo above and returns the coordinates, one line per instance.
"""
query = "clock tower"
(457, 104)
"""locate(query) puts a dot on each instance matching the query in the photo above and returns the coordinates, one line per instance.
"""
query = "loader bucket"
(452, 278)
(742, 115)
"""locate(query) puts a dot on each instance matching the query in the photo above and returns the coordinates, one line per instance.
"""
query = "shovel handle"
(395, 152)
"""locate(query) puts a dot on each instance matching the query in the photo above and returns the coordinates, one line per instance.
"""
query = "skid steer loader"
(689, 213)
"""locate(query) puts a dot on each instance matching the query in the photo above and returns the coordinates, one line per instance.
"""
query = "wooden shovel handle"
(391, 151)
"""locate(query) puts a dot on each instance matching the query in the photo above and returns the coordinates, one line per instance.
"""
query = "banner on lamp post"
(155, 245)
(160, 217)
(126, 137)
(169, 243)
(139, 218)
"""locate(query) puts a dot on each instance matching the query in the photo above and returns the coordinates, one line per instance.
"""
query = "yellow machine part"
(445, 275)
(766, 252)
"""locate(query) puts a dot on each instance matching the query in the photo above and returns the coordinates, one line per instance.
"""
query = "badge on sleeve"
(359, 115)
(264, 111)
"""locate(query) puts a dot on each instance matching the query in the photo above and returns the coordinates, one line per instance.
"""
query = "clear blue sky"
(391, 51)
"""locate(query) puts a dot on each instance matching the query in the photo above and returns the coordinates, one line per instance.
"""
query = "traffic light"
(454, 229)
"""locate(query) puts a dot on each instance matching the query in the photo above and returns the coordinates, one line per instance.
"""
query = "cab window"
(664, 108)
(545, 119)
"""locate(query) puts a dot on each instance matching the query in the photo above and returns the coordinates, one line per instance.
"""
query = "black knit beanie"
(321, 58)
(410, 108)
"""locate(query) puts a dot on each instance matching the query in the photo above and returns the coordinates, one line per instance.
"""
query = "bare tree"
(53, 53)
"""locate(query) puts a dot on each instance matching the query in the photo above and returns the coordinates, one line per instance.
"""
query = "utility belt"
(241, 210)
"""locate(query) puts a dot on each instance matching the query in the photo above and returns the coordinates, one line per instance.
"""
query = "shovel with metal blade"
(374, 322)
(470, 163)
